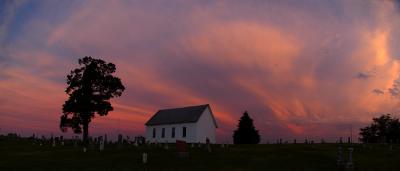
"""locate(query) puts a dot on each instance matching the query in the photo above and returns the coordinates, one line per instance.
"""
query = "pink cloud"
(295, 72)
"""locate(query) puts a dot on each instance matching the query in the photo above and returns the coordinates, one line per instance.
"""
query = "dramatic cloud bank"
(301, 68)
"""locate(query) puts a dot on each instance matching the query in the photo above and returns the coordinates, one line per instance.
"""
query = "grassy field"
(23, 155)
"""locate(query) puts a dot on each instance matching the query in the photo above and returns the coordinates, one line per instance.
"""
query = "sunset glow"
(301, 68)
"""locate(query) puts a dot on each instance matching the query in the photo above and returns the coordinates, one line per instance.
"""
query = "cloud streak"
(311, 71)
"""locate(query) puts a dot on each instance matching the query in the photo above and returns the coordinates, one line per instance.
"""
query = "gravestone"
(136, 144)
(141, 140)
(105, 138)
(92, 144)
(208, 146)
(101, 145)
(339, 157)
(52, 141)
(144, 158)
(350, 164)
(119, 139)
(119, 146)
(191, 145)
(84, 149)
(33, 139)
(182, 149)
(62, 140)
(43, 140)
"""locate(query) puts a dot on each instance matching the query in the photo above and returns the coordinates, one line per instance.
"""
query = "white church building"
(192, 124)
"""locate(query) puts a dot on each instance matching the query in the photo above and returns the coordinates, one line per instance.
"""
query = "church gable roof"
(188, 114)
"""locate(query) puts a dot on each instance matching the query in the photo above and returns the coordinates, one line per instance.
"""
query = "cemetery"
(58, 153)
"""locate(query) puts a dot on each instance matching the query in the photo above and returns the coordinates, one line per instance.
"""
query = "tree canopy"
(383, 129)
(246, 132)
(90, 87)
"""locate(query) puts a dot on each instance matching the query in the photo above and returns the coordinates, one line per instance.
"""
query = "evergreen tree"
(246, 132)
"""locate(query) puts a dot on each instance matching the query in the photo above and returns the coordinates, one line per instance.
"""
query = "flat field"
(24, 155)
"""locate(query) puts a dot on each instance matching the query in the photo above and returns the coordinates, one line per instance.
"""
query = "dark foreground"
(23, 155)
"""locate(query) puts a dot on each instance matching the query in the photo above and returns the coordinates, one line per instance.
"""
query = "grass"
(23, 155)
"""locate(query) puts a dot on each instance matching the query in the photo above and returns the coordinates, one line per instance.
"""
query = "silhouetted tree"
(246, 132)
(382, 129)
(89, 88)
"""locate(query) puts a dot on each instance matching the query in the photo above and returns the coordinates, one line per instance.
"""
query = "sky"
(301, 68)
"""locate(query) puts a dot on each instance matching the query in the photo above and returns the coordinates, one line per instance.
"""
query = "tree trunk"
(85, 134)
